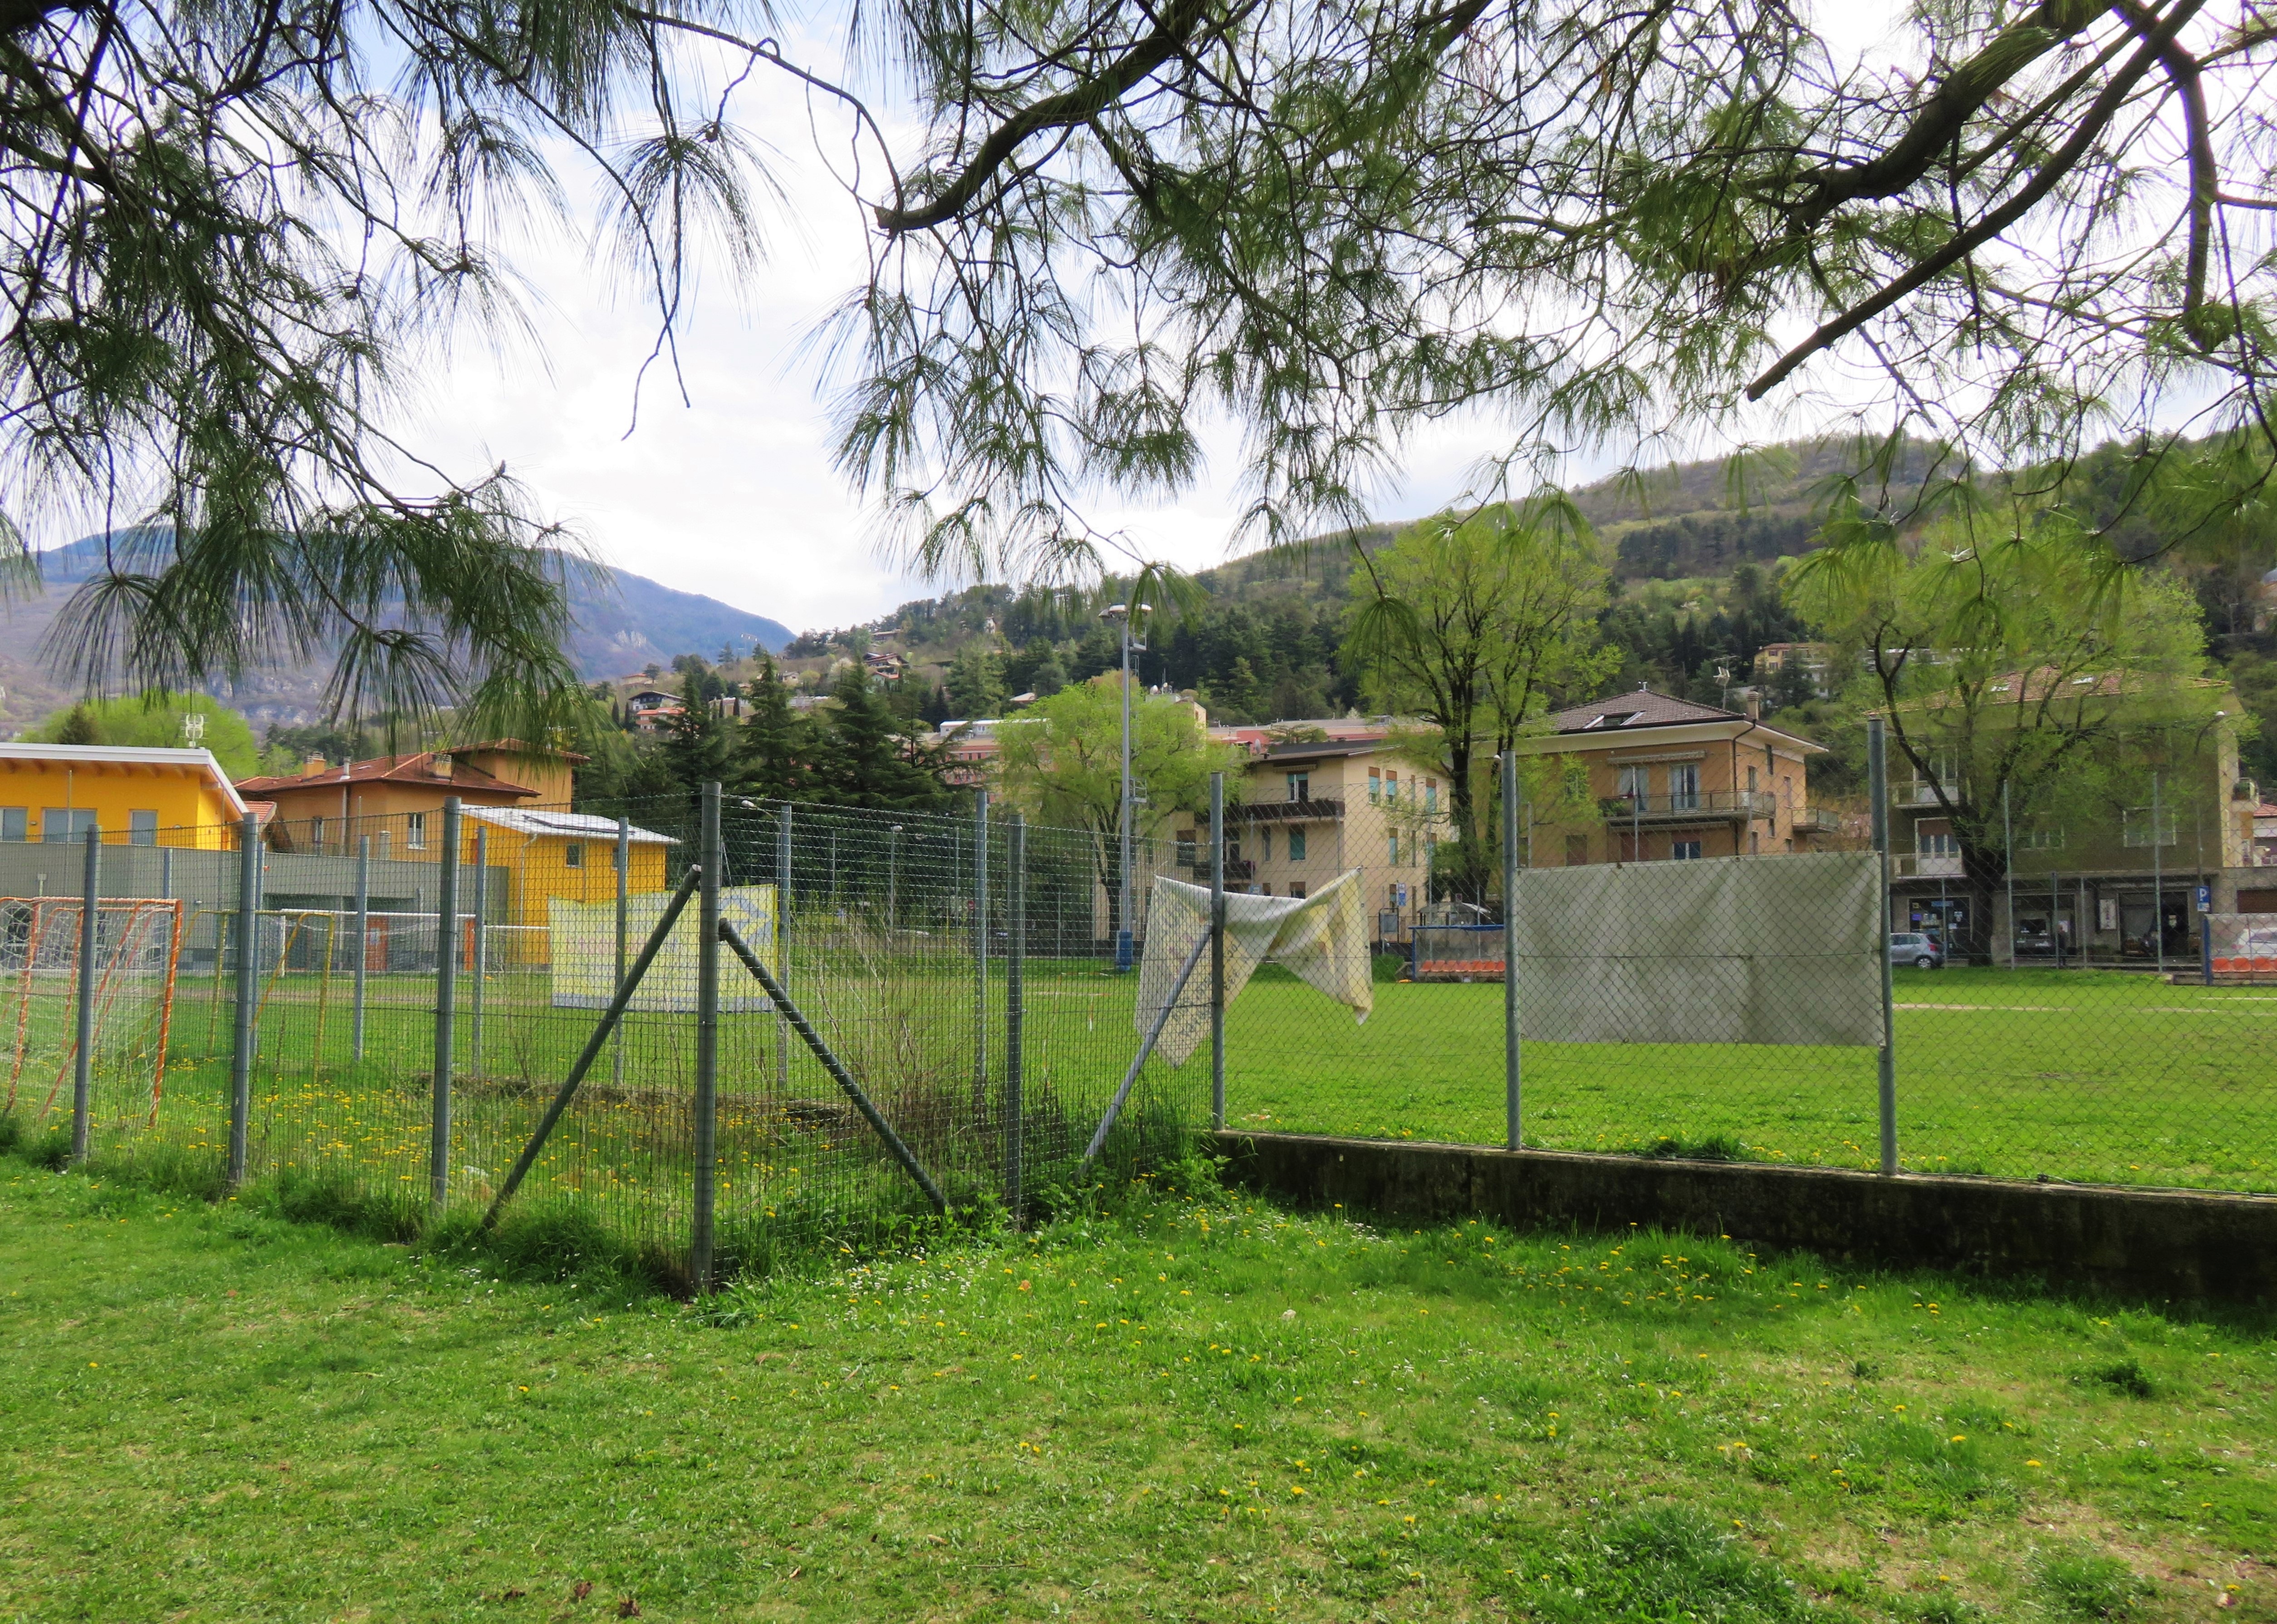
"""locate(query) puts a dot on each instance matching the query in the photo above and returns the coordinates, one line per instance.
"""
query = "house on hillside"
(1668, 779)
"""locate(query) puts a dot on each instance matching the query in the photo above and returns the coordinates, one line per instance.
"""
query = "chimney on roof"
(313, 767)
(1754, 706)
(442, 765)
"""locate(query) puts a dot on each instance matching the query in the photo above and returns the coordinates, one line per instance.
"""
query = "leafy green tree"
(775, 745)
(1476, 625)
(868, 757)
(2014, 657)
(155, 719)
(1050, 676)
(1062, 763)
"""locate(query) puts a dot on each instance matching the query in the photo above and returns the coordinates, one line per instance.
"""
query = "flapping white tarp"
(1724, 950)
(1322, 939)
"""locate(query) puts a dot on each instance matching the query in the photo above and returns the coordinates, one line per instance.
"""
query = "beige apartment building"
(1313, 809)
(1669, 780)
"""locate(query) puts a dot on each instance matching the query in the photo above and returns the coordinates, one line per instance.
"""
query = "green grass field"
(1198, 1409)
(2097, 1076)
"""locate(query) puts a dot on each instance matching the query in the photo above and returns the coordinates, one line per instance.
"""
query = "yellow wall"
(191, 810)
(540, 871)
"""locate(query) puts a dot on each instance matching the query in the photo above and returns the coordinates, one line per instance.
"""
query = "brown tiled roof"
(389, 769)
(1628, 712)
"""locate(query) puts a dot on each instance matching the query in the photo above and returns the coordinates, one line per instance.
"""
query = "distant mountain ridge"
(619, 622)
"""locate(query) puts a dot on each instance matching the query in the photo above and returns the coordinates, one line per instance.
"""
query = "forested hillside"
(1696, 553)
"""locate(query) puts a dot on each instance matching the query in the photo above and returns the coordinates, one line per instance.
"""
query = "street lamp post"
(1123, 820)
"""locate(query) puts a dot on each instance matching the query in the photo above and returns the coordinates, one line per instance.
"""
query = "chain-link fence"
(906, 1011)
(947, 1024)
(1711, 1008)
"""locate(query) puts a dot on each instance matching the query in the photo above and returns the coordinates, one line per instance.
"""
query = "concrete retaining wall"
(2167, 1246)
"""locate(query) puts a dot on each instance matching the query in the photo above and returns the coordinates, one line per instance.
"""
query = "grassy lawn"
(2093, 1075)
(1201, 1410)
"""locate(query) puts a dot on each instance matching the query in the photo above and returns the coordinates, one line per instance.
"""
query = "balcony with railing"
(1705, 806)
(1313, 811)
(1923, 792)
(1927, 865)
(1816, 820)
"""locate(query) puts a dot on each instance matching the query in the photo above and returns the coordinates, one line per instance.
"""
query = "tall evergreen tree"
(775, 745)
(696, 741)
(865, 759)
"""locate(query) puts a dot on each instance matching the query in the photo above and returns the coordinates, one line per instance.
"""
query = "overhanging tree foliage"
(235, 229)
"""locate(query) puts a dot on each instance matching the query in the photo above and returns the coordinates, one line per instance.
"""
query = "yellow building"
(134, 795)
(546, 854)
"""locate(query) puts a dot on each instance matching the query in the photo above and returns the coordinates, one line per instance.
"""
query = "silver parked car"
(1912, 947)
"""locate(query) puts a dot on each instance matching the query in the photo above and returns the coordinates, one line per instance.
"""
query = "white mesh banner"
(585, 948)
(1725, 949)
(1322, 939)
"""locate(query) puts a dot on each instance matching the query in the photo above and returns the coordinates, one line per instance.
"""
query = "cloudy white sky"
(733, 494)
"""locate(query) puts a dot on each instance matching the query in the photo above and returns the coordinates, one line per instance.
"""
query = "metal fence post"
(482, 965)
(241, 1057)
(90, 945)
(1217, 949)
(782, 944)
(979, 957)
(2157, 882)
(1513, 1112)
(446, 993)
(707, 1046)
(624, 938)
(1878, 782)
(1016, 953)
(362, 948)
(2008, 868)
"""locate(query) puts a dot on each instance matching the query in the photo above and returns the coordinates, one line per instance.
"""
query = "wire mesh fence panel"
(1686, 1008)
(2098, 1074)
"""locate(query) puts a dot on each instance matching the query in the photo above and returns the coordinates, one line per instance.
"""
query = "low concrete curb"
(2167, 1246)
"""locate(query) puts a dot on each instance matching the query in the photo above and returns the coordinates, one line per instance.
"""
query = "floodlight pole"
(1217, 949)
(1124, 821)
(1512, 1074)
(1878, 783)
(89, 943)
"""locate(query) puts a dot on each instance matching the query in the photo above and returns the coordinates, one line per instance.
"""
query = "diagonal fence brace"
(834, 1066)
(595, 1043)
(1114, 1109)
